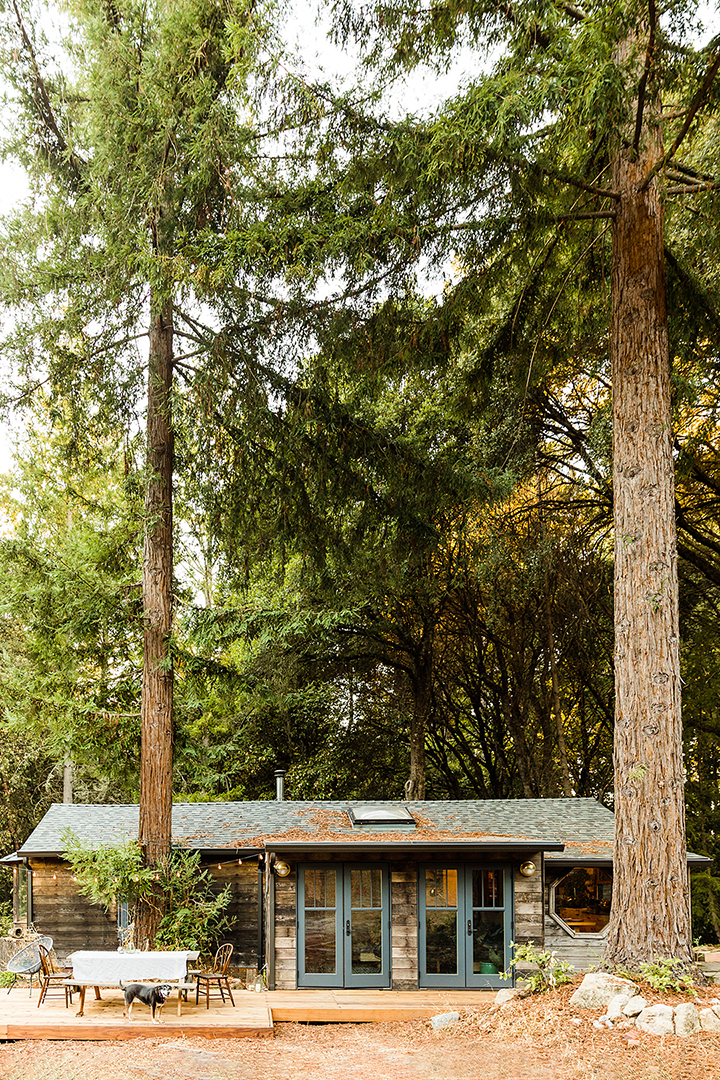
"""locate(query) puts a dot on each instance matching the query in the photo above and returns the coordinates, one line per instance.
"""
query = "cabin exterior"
(364, 894)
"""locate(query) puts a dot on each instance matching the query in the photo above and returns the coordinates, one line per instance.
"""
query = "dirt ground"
(533, 1039)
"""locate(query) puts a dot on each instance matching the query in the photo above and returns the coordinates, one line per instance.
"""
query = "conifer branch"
(697, 103)
(692, 189)
(575, 12)
(680, 172)
(46, 114)
(28, 393)
(569, 274)
(574, 181)
(587, 216)
(644, 77)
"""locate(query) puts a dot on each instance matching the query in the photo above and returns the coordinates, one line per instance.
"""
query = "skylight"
(381, 817)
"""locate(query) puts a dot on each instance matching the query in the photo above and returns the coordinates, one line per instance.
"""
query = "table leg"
(180, 994)
(97, 994)
(82, 1002)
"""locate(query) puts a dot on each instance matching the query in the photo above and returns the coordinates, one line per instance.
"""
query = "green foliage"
(550, 972)
(69, 603)
(193, 914)
(6, 917)
(106, 874)
(662, 974)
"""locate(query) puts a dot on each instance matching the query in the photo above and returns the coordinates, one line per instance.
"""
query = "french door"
(465, 916)
(343, 925)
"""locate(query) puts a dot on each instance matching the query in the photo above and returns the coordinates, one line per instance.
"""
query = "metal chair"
(27, 962)
(218, 975)
(53, 976)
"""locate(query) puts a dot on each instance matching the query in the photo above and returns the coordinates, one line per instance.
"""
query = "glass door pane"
(489, 917)
(488, 942)
(366, 926)
(366, 922)
(319, 928)
(441, 960)
(441, 940)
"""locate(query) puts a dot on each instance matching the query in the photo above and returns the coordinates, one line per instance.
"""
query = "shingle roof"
(583, 825)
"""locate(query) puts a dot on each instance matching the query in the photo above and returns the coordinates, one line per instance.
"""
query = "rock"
(442, 1020)
(687, 1021)
(616, 1006)
(709, 1020)
(576, 1020)
(504, 996)
(599, 1025)
(657, 1019)
(597, 990)
(635, 1006)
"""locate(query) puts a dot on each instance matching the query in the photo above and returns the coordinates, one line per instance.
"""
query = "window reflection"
(582, 899)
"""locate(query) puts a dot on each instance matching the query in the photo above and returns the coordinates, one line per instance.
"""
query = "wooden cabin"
(399, 895)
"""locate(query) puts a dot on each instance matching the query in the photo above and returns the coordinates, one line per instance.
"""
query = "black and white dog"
(155, 996)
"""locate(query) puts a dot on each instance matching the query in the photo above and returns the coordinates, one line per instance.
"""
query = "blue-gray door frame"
(465, 975)
(343, 975)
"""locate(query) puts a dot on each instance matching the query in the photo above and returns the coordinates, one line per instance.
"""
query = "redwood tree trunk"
(156, 755)
(650, 914)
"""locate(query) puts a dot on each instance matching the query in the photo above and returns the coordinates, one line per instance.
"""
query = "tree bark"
(156, 755)
(650, 914)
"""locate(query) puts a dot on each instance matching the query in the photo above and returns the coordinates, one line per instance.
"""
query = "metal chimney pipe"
(280, 784)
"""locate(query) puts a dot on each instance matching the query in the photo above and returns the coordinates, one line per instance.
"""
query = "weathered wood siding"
(529, 926)
(404, 925)
(583, 951)
(73, 922)
(60, 911)
(243, 909)
(286, 932)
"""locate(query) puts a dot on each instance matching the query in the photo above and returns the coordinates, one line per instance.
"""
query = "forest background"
(390, 410)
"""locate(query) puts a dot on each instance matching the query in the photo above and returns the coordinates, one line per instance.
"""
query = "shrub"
(193, 916)
(549, 974)
(663, 974)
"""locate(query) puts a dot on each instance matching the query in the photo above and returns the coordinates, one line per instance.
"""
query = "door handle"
(347, 927)
(470, 927)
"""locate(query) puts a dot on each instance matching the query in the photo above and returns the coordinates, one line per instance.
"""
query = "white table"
(91, 968)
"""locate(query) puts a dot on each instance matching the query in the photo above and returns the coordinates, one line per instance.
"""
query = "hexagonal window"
(580, 901)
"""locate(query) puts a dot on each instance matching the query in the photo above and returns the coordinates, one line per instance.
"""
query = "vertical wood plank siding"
(243, 909)
(404, 925)
(529, 927)
(69, 918)
(73, 922)
(286, 931)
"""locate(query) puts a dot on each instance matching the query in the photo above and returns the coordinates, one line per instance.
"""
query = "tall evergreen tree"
(131, 154)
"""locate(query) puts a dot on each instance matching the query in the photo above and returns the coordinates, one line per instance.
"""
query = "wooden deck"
(253, 1017)
(370, 1006)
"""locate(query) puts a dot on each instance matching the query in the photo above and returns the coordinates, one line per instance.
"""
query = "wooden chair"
(52, 976)
(218, 975)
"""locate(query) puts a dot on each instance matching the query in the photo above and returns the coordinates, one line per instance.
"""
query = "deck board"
(253, 1017)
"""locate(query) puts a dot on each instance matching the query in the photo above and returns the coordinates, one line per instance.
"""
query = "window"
(580, 901)
(381, 818)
